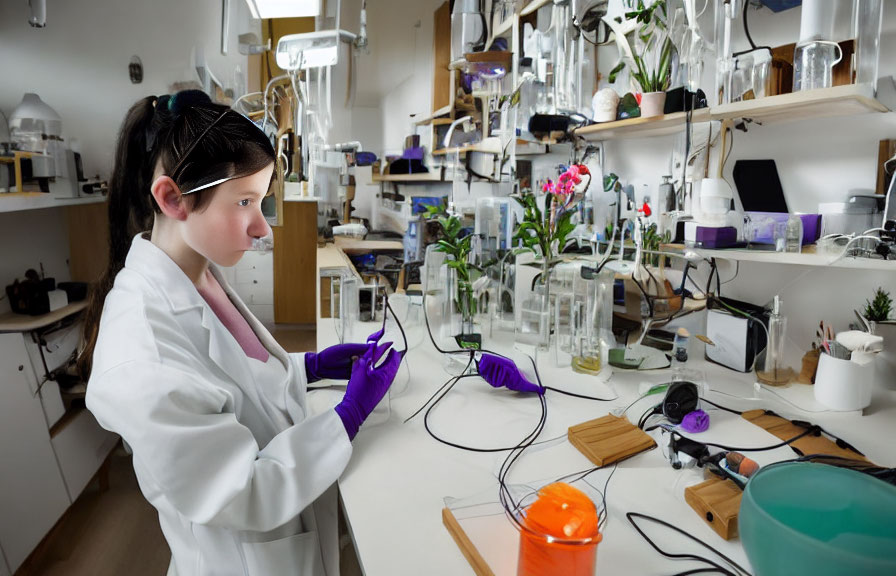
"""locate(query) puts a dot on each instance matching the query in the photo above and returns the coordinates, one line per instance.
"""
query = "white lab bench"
(394, 488)
(49, 455)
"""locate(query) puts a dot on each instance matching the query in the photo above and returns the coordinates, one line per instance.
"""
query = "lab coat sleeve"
(203, 460)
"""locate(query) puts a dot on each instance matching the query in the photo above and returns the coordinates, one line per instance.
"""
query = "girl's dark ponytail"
(131, 209)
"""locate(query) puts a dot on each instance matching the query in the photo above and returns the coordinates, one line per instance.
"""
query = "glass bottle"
(773, 370)
(794, 234)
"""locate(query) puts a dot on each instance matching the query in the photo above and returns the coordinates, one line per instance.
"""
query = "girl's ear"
(169, 198)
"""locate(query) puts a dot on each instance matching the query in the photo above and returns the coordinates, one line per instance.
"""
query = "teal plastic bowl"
(803, 518)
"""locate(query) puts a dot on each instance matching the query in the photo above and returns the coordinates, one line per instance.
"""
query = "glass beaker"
(596, 329)
(742, 78)
(469, 30)
(813, 64)
(534, 325)
(867, 22)
(349, 307)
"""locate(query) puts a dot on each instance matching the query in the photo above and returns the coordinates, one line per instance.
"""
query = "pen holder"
(845, 385)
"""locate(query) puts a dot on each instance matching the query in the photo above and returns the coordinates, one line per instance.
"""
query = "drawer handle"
(21, 367)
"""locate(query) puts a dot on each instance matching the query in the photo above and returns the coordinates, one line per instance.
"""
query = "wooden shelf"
(444, 111)
(446, 151)
(12, 322)
(18, 201)
(845, 100)
(641, 127)
(837, 101)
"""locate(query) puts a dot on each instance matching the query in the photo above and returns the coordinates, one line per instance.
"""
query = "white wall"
(819, 160)
(29, 239)
(399, 72)
(90, 89)
(78, 64)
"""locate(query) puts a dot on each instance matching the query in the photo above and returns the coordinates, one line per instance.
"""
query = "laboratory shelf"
(533, 6)
(847, 100)
(851, 99)
(435, 116)
(19, 201)
(641, 127)
(805, 258)
(432, 176)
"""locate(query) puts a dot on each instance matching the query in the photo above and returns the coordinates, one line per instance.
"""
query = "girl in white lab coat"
(212, 407)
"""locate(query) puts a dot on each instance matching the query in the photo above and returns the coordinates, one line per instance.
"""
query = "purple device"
(716, 237)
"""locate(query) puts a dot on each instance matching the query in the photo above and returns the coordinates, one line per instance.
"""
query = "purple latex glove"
(696, 421)
(499, 371)
(336, 361)
(367, 386)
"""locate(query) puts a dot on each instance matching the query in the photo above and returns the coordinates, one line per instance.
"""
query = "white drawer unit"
(51, 401)
(32, 491)
(41, 475)
(81, 446)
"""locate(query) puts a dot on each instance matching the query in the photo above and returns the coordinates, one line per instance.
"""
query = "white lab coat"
(243, 478)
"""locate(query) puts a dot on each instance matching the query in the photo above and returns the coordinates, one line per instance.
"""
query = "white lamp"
(283, 8)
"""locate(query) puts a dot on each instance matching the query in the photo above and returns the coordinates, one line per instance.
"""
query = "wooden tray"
(609, 439)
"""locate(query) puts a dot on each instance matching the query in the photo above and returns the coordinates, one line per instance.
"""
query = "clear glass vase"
(534, 327)
(595, 333)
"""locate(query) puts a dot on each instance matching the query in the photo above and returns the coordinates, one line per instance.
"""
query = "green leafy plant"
(537, 232)
(458, 248)
(878, 310)
(644, 45)
(540, 231)
(652, 240)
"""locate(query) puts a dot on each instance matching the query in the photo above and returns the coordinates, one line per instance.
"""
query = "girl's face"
(224, 230)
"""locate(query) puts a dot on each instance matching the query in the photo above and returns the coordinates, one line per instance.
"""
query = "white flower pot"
(652, 104)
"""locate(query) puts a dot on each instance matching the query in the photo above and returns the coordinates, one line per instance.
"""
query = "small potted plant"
(646, 48)
(878, 310)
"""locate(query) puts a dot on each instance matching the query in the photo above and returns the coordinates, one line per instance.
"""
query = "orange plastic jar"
(558, 534)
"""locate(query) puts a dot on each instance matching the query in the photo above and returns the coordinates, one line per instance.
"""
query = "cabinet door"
(32, 493)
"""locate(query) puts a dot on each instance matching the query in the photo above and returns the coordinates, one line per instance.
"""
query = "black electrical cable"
(575, 395)
(602, 516)
(542, 419)
(442, 387)
(718, 567)
(738, 412)
(812, 430)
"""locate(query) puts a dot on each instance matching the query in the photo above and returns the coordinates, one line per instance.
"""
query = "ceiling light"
(283, 8)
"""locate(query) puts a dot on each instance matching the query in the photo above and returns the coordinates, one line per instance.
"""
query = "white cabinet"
(81, 446)
(43, 472)
(32, 492)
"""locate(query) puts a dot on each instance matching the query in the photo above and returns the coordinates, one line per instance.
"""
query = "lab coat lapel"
(223, 349)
